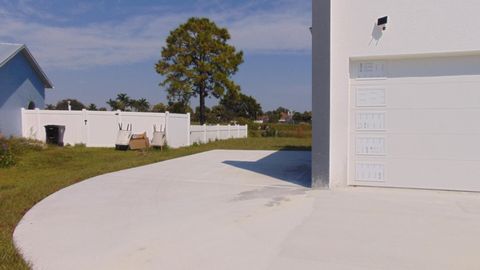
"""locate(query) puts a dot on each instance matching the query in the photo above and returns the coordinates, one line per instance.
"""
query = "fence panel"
(34, 122)
(197, 134)
(205, 134)
(99, 129)
(211, 133)
(144, 122)
(102, 128)
(178, 130)
(223, 132)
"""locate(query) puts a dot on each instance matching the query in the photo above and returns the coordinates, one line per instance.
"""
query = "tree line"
(240, 108)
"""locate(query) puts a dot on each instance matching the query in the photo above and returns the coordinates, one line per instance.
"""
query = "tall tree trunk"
(202, 106)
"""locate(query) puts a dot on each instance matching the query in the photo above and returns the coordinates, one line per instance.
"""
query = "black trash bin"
(55, 134)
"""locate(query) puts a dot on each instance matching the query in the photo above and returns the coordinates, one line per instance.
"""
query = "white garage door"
(415, 123)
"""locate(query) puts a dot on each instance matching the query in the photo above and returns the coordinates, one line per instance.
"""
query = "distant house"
(286, 117)
(262, 119)
(22, 85)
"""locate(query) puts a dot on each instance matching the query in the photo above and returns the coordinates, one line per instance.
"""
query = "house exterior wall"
(428, 27)
(19, 85)
(321, 93)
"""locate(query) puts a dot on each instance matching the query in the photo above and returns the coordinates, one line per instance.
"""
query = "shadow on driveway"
(289, 166)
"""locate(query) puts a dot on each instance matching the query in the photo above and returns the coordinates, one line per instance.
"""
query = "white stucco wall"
(414, 28)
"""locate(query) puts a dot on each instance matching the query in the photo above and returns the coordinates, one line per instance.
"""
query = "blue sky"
(92, 50)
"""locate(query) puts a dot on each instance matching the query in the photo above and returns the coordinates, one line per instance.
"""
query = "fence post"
(38, 130)
(188, 130)
(119, 117)
(85, 127)
(238, 131)
(229, 134)
(22, 123)
(246, 131)
(167, 133)
(217, 137)
(204, 133)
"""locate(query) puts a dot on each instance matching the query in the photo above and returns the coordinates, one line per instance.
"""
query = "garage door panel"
(440, 174)
(444, 146)
(434, 121)
(427, 96)
(432, 174)
(415, 123)
(448, 96)
(423, 121)
(439, 146)
(436, 67)
(416, 67)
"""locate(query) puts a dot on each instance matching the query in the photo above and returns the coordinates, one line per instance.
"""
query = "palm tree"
(141, 105)
(92, 107)
(113, 103)
(121, 102)
(122, 97)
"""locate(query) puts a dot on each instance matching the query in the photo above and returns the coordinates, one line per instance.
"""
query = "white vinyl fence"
(205, 134)
(99, 128)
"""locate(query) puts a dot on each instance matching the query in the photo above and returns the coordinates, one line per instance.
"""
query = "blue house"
(22, 85)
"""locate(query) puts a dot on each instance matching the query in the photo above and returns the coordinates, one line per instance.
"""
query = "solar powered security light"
(382, 22)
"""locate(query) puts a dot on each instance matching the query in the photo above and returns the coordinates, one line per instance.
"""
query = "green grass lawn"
(40, 173)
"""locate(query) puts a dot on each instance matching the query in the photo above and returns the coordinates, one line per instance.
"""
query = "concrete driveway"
(246, 210)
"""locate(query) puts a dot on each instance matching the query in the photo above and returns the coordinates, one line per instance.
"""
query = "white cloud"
(140, 37)
(272, 33)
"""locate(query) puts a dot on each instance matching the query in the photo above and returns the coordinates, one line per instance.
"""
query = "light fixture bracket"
(382, 22)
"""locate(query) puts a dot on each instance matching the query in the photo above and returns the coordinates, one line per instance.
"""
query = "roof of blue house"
(8, 51)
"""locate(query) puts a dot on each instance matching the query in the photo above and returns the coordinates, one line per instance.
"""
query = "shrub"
(280, 130)
(242, 121)
(7, 158)
(11, 149)
(20, 145)
(270, 132)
